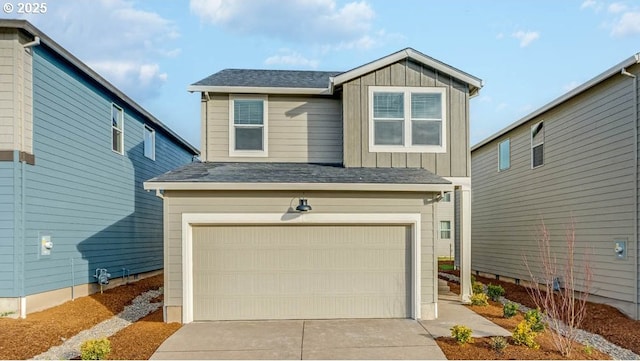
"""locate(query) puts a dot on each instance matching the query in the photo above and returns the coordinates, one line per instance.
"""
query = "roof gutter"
(367, 187)
(258, 90)
(615, 70)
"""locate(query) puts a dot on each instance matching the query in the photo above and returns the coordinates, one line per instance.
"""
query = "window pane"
(116, 117)
(388, 132)
(388, 105)
(426, 106)
(149, 143)
(445, 229)
(504, 154)
(249, 138)
(116, 140)
(538, 155)
(248, 112)
(426, 132)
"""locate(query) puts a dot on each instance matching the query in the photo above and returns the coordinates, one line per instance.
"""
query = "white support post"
(465, 245)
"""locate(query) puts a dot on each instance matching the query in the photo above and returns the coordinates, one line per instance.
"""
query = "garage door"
(301, 272)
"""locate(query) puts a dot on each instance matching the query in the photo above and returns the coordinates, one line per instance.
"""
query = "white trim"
(407, 125)
(257, 90)
(463, 182)
(121, 129)
(265, 127)
(190, 219)
(153, 142)
(373, 187)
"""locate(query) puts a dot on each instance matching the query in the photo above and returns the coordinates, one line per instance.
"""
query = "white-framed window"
(445, 229)
(407, 119)
(504, 154)
(446, 197)
(117, 129)
(248, 126)
(537, 145)
(149, 138)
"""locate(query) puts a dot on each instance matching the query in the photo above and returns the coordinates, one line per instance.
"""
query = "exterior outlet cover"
(620, 249)
(45, 244)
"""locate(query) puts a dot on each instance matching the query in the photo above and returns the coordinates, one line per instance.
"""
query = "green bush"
(498, 344)
(495, 292)
(479, 299)
(478, 287)
(509, 310)
(461, 334)
(524, 335)
(95, 349)
(534, 317)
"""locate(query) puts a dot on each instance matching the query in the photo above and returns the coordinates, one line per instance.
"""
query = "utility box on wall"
(620, 248)
(46, 244)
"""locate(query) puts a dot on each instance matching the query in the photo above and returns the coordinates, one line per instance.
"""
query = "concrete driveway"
(399, 339)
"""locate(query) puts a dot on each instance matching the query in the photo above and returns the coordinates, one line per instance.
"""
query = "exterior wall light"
(303, 206)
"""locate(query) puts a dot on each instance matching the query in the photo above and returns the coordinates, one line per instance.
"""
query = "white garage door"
(301, 272)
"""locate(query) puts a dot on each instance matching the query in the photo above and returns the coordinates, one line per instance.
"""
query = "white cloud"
(115, 37)
(616, 8)
(627, 24)
(526, 38)
(502, 106)
(589, 4)
(500, 36)
(315, 22)
(291, 58)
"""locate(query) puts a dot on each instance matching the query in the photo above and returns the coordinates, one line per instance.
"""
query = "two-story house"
(573, 158)
(74, 151)
(317, 193)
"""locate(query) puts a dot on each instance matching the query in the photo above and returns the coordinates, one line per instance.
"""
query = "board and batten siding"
(302, 129)
(16, 117)
(455, 162)
(179, 202)
(89, 198)
(7, 219)
(588, 174)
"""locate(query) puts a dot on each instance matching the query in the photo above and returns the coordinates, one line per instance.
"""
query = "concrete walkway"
(348, 339)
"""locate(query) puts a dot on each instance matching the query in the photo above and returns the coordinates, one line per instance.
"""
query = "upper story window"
(407, 119)
(117, 127)
(149, 143)
(445, 229)
(248, 126)
(537, 145)
(446, 197)
(504, 154)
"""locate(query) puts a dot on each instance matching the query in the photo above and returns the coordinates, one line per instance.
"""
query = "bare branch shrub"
(555, 293)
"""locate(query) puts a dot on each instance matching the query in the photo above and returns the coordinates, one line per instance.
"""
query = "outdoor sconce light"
(303, 206)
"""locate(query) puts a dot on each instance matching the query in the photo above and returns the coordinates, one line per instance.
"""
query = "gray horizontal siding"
(301, 129)
(89, 198)
(588, 174)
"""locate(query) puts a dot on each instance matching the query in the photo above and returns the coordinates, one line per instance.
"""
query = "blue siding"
(7, 219)
(89, 198)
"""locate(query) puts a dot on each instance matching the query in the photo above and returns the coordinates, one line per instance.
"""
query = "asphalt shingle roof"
(269, 78)
(216, 172)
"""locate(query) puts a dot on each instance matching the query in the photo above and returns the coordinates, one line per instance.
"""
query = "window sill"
(248, 153)
(403, 149)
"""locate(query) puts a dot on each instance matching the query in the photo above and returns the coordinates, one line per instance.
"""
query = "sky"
(526, 52)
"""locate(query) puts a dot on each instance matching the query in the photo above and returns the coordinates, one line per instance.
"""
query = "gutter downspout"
(623, 71)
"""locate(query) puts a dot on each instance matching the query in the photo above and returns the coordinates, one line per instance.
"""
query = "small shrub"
(479, 299)
(509, 309)
(6, 314)
(524, 335)
(498, 344)
(588, 349)
(495, 292)
(534, 317)
(473, 279)
(95, 349)
(461, 334)
(478, 287)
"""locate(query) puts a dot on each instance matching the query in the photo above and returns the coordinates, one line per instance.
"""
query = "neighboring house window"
(248, 126)
(405, 119)
(446, 197)
(504, 155)
(445, 229)
(117, 122)
(537, 145)
(149, 143)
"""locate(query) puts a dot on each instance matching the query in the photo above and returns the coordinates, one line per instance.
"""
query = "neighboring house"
(74, 151)
(317, 195)
(446, 236)
(574, 157)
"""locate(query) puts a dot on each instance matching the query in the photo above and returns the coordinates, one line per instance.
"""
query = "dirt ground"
(22, 339)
